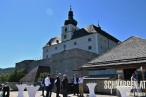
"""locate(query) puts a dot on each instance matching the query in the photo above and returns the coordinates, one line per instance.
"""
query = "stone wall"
(29, 65)
(66, 62)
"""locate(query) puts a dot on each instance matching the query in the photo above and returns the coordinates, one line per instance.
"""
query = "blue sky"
(27, 25)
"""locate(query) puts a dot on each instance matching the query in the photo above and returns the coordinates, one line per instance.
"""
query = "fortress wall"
(67, 62)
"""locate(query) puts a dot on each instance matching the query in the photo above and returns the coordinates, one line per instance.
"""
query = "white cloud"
(49, 12)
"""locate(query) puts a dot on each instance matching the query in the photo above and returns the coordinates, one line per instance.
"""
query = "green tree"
(42, 75)
(4, 78)
(16, 75)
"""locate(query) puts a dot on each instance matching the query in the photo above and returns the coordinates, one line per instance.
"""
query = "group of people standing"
(78, 85)
(50, 81)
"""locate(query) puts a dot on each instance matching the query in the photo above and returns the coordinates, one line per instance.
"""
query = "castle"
(75, 47)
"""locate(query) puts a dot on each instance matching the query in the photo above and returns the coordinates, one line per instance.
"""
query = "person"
(20, 82)
(137, 82)
(133, 83)
(65, 86)
(6, 91)
(75, 84)
(81, 86)
(47, 85)
(145, 79)
(52, 79)
(137, 77)
(133, 79)
(119, 80)
(57, 83)
(43, 86)
(1, 88)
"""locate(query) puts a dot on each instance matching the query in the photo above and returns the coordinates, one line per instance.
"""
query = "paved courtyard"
(38, 94)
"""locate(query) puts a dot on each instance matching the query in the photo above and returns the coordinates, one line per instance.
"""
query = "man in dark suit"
(43, 86)
(76, 84)
(52, 80)
(0, 87)
(57, 83)
(65, 86)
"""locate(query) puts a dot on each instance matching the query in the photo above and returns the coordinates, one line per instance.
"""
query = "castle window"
(65, 29)
(57, 41)
(119, 72)
(64, 46)
(101, 72)
(89, 47)
(47, 56)
(55, 48)
(64, 36)
(46, 50)
(89, 39)
(75, 43)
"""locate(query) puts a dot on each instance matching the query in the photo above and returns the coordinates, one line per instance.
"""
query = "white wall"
(99, 44)
(104, 44)
(82, 43)
(70, 29)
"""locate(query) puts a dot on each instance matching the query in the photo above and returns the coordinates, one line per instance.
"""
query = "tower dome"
(70, 19)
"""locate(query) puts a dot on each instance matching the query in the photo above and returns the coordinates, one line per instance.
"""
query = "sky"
(27, 25)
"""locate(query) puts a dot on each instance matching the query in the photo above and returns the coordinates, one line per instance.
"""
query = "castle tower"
(69, 27)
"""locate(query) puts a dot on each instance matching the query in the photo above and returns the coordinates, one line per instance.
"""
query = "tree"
(16, 75)
(42, 75)
(4, 77)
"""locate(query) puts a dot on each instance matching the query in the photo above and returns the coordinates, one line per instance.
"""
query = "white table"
(32, 90)
(91, 87)
(124, 90)
(1, 94)
(20, 89)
